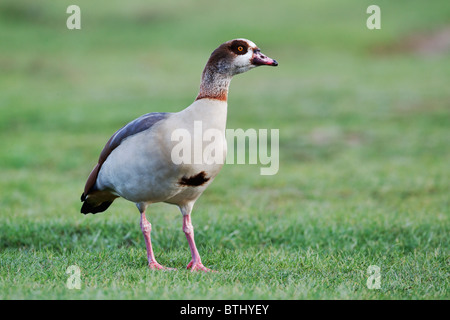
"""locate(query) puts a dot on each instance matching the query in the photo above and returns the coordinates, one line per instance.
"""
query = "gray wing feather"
(142, 123)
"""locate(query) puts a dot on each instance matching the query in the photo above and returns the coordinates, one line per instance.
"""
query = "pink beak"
(260, 59)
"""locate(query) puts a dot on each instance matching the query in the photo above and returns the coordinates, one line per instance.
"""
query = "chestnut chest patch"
(194, 181)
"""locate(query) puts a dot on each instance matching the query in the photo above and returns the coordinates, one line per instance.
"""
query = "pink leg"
(196, 262)
(146, 228)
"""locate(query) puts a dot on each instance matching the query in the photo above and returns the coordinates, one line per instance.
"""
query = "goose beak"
(260, 59)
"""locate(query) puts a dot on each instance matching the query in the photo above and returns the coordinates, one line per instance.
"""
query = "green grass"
(364, 173)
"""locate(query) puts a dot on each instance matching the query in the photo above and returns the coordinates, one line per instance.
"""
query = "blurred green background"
(364, 119)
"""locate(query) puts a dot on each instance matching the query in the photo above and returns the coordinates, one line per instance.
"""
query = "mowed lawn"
(364, 123)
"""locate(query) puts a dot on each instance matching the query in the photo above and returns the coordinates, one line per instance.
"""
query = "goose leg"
(196, 262)
(146, 228)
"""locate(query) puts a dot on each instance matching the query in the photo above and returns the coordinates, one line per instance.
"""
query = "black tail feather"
(95, 208)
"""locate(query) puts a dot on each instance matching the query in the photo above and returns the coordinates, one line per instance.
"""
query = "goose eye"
(240, 48)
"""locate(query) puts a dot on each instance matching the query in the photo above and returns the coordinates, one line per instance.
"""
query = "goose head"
(238, 56)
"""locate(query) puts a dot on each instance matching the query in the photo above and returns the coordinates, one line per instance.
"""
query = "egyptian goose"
(136, 163)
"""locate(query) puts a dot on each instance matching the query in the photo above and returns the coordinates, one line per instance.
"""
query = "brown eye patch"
(239, 47)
